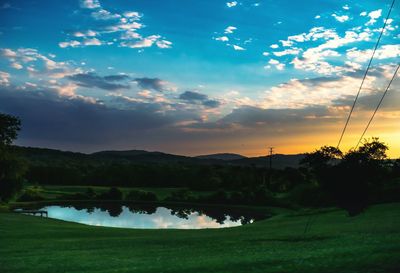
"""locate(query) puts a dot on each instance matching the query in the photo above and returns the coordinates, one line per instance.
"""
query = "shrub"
(112, 194)
(137, 195)
(30, 195)
(309, 195)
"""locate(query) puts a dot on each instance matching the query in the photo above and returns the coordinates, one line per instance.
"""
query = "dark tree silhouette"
(11, 167)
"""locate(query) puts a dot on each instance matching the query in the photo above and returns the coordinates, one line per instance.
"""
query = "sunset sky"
(196, 77)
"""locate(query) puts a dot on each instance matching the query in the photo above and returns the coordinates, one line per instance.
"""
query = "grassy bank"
(335, 243)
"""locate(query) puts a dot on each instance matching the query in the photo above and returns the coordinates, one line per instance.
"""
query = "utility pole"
(271, 151)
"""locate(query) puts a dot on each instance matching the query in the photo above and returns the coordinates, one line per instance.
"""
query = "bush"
(309, 195)
(30, 195)
(112, 194)
(136, 195)
(181, 196)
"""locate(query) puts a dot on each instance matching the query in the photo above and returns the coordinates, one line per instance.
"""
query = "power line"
(377, 107)
(365, 74)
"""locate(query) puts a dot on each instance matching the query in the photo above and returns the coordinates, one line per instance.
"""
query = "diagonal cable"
(365, 74)
(377, 107)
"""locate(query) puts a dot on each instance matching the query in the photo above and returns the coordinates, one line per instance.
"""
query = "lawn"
(335, 243)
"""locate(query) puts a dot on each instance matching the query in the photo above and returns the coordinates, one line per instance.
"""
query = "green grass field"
(335, 243)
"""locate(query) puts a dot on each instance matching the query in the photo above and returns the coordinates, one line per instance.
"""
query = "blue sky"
(194, 76)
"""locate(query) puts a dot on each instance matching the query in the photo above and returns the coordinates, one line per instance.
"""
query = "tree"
(354, 180)
(9, 128)
(11, 167)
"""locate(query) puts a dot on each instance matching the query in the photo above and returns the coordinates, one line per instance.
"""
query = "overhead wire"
(365, 75)
(377, 107)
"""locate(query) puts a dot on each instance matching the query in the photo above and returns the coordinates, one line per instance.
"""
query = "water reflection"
(148, 216)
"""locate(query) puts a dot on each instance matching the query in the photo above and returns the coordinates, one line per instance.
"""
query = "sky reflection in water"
(151, 218)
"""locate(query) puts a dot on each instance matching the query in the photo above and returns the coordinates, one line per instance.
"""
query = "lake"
(150, 217)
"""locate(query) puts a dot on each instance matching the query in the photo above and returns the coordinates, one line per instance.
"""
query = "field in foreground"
(335, 243)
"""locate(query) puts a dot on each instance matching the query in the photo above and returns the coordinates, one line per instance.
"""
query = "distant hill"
(279, 161)
(52, 156)
(222, 156)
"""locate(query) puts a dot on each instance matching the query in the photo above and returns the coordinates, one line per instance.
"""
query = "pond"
(150, 217)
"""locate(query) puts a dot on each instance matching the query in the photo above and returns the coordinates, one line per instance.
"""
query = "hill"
(31, 154)
(222, 156)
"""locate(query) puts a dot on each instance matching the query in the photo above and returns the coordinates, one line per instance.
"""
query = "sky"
(198, 77)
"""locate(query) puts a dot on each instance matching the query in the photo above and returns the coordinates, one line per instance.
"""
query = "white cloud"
(6, 52)
(222, 39)
(384, 52)
(92, 41)
(132, 14)
(145, 42)
(265, 54)
(127, 23)
(346, 7)
(90, 4)
(373, 15)
(230, 29)
(278, 65)
(364, 13)
(72, 43)
(104, 15)
(342, 18)
(298, 94)
(17, 66)
(4, 78)
(164, 44)
(236, 47)
(231, 4)
(274, 46)
(292, 51)
(317, 17)
(130, 35)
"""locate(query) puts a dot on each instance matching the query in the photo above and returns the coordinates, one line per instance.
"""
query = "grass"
(369, 243)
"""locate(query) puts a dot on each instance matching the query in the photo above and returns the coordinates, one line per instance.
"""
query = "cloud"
(302, 93)
(340, 18)
(278, 65)
(75, 123)
(152, 84)
(193, 97)
(384, 52)
(148, 42)
(222, 39)
(373, 15)
(103, 14)
(236, 47)
(230, 29)
(17, 66)
(88, 33)
(92, 41)
(72, 43)
(292, 51)
(4, 78)
(91, 80)
(36, 63)
(231, 4)
(8, 53)
(116, 28)
(164, 44)
(274, 46)
(90, 4)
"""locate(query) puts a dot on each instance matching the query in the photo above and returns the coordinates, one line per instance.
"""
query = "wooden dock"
(34, 212)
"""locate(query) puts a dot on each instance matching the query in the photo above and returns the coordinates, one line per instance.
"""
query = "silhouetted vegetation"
(11, 166)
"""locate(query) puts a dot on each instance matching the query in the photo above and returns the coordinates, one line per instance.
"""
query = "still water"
(150, 217)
